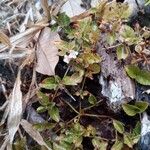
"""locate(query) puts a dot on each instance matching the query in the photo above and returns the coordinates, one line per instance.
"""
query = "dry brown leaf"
(24, 38)
(4, 39)
(33, 133)
(46, 8)
(47, 52)
(72, 8)
(15, 109)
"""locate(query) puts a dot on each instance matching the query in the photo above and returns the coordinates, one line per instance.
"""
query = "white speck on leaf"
(66, 59)
(72, 54)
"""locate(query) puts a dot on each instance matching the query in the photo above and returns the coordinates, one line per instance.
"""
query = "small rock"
(144, 143)
(116, 85)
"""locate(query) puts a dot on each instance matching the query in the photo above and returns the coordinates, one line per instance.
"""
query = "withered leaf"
(47, 52)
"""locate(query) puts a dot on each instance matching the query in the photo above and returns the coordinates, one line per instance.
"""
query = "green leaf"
(122, 52)
(118, 145)
(63, 20)
(99, 144)
(137, 129)
(141, 76)
(20, 144)
(141, 105)
(44, 99)
(127, 31)
(119, 126)
(128, 35)
(92, 99)
(78, 141)
(133, 138)
(65, 47)
(73, 79)
(58, 147)
(54, 27)
(54, 113)
(49, 83)
(94, 68)
(130, 110)
(43, 126)
(78, 128)
(90, 131)
(41, 109)
(147, 2)
(90, 58)
(114, 12)
(111, 38)
(128, 140)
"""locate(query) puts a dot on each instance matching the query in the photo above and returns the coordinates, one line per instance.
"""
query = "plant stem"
(72, 107)
(97, 116)
(92, 105)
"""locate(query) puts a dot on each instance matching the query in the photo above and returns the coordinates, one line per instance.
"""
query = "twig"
(85, 114)
(67, 123)
(92, 105)
(97, 116)
(68, 93)
(72, 107)
(81, 16)
(112, 47)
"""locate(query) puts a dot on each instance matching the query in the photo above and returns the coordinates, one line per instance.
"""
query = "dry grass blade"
(15, 109)
(47, 52)
(3, 146)
(33, 133)
(25, 22)
(15, 55)
(56, 6)
(4, 39)
(46, 8)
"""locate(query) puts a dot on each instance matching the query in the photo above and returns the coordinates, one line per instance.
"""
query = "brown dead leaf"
(24, 38)
(4, 39)
(47, 52)
(15, 109)
(33, 133)
(46, 8)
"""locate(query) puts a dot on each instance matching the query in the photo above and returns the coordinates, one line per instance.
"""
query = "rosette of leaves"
(86, 32)
(72, 137)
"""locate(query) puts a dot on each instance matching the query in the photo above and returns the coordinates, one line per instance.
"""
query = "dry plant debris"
(47, 52)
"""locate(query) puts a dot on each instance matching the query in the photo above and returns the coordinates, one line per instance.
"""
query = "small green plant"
(77, 50)
(129, 138)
